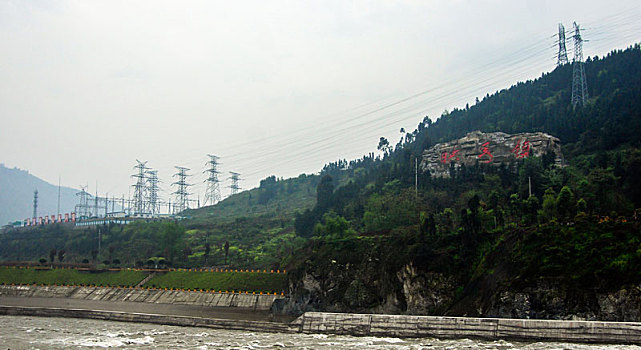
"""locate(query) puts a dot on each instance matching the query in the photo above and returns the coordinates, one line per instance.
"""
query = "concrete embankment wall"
(188, 321)
(259, 302)
(464, 327)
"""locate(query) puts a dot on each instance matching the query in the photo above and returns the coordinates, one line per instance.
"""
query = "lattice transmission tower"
(152, 192)
(579, 83)
(212, 194)
(182, 196)
(82, 208)
(35, 204)
(140, 187)
(562, 57)
(235, 180)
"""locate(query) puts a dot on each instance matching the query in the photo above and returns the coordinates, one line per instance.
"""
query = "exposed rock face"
(488, 148)
(427, 293)
(549, 300)
(623, 305)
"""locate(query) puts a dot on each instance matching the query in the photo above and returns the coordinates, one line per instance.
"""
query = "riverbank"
(249, 301)
(379, 325)
(196, 309)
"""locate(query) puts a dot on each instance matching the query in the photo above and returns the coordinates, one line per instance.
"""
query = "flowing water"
(23, 332)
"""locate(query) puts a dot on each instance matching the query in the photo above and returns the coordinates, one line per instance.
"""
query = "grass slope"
(9, 275)
(224, 281)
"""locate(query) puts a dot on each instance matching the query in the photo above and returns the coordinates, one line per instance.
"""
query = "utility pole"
(95, 201)
(579, 82)
(562, 57)
(529, 181)
(212, 194)
(58, 197)
(182, 196)
(235, 178)
(416, 176)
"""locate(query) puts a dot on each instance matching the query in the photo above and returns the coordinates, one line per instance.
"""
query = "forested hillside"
(477, 242)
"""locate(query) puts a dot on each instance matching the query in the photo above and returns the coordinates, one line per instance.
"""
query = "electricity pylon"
(579, 83)
(212, 194)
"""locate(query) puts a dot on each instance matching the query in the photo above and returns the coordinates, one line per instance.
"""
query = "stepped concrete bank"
(172, 320)
(164, 310)
(258, 302)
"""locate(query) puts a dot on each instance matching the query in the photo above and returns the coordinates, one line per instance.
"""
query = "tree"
(52, 255)
(566, 204)
(207, 250)
(334, 226)
(383, 145)
(324, 192)
(61, 255)
(111, 252)
(226, 248)
(94, 255)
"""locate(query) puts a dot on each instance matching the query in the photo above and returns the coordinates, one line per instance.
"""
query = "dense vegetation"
(481, 225)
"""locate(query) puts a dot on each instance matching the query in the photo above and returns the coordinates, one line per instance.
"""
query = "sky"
(271, 87)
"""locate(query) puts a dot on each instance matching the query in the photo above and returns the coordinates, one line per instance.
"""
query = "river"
(22, 332)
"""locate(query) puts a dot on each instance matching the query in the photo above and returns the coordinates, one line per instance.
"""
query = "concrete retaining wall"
(464, 327)
(150, 318)
(245, 301)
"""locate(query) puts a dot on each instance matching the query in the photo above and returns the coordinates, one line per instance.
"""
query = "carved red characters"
(485, 149)
(446, 158)
(521, 150)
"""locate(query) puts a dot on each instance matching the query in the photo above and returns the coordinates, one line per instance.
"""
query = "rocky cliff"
(419, 292)
(488, 148)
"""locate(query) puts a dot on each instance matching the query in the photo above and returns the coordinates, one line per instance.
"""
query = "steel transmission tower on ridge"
(140, 187)
(152, 192)
(212, 194)
(35, 204)
(579, 83)
(82, 209)
(182, 196)
(235, 178)
(563, 54)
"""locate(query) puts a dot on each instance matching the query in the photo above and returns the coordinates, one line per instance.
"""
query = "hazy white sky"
(272, 87)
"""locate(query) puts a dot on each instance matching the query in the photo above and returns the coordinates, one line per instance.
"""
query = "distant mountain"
(16, 196)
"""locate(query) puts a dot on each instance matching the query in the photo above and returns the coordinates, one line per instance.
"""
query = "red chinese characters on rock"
(446, 158)
(521, 150)
(485, 151)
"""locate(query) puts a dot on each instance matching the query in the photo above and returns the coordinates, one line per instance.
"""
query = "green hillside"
(455, 244)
